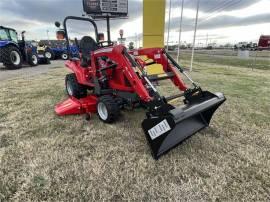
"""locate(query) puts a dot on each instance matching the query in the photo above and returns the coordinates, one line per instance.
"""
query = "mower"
(106, 78)
(14, 52)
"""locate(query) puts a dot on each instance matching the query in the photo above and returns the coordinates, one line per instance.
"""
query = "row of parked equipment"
(15, 52)
(56, 49)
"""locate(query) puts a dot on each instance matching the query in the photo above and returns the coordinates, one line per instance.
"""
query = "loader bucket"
(167, 131)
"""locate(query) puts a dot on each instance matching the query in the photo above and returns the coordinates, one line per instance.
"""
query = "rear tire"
(107, 109)
(33, 59)
(73, 88)
(11, 57)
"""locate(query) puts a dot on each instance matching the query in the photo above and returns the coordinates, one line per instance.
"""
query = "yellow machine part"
(155, 69)
(153, 31)
(152, 68)
(146, 59)
(153, 23)
(41, 48)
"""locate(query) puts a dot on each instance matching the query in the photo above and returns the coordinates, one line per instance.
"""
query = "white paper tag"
(159, 129)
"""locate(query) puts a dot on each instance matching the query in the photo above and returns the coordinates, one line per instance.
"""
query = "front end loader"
(107, 78)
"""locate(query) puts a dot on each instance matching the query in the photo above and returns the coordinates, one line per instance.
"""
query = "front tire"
(33, 59)
(64, 56)
(73, 88)
(49, 54)
(12, 57)
(107, 109)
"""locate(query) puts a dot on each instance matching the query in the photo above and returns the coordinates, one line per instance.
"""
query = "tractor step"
(158, 77)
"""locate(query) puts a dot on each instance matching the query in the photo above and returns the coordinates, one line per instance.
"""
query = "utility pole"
(206, 44)
(136, 39)
(194, 37)
(48, 35)
(169, 24)
(180, 32)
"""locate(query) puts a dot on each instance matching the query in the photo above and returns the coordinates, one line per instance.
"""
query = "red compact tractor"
(107, 78)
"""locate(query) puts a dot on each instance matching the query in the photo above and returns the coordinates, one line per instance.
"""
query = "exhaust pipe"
(165, 132)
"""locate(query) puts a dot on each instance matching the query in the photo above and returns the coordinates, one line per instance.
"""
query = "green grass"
(229, 52)
(46, 157)
(251, 63)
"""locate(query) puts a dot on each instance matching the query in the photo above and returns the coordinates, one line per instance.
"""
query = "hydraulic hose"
(180, 68)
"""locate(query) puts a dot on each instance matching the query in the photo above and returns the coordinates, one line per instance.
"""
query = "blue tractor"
(14, 52)
(56, 49)
(61, 52)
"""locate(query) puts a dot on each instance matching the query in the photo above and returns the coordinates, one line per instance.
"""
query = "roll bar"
(79, 19)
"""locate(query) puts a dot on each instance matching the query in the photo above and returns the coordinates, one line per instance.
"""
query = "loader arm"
(126, 70)
(159, 56)
(166, 126)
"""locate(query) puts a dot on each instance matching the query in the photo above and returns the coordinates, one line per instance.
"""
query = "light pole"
(48, 35)
(136, 39)
(180, 32)
(194, 37)
(169, 24)
(206, 44)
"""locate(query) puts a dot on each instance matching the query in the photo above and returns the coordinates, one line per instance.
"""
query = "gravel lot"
(28, 71)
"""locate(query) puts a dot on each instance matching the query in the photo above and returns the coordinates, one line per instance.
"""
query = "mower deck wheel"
(107, 109)
(73, 88)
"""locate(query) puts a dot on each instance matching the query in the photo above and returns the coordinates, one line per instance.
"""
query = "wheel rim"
(48, 55)
(69, 89)
(15, 57)
(34, 59)
(102, 111)
(64, 56)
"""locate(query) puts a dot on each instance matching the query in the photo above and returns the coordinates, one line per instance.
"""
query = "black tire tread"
(79, 91)
(30, 62)
(5, 55)
(62, 56)
(112, 107)
(52, 53)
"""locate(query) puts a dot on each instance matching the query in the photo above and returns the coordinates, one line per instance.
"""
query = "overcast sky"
(221, 20)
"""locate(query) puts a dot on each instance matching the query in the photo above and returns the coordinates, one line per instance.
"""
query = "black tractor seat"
(87, 45)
